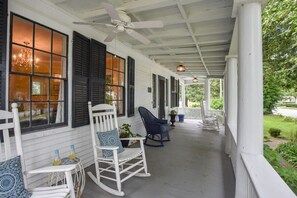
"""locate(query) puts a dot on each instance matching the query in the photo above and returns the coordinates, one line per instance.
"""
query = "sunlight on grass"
(288, 126)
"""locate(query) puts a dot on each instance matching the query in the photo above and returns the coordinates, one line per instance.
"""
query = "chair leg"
(117, 170)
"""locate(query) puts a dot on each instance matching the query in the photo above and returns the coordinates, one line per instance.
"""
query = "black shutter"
(177, 93)
(154, 91)
(80, 80)
(97, 72)
(3, 40)
(172, 91)
(166, 92)
(131, 84)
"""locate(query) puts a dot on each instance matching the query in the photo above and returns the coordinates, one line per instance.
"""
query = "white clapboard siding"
(38, 152)
(39, 146)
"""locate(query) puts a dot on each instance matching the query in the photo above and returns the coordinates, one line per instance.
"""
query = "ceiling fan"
(121, 22)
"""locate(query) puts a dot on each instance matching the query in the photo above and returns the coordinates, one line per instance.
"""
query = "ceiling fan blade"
(146, 24)
(111, 36)
(93, 23)
(137, 36)
(111, 11)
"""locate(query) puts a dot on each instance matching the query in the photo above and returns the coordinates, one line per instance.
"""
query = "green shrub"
(289, 152)
(288, 173)
(274, 132)
(195, 105)
(217, 103)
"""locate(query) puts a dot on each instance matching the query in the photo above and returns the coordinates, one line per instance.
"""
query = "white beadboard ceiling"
(196, 33)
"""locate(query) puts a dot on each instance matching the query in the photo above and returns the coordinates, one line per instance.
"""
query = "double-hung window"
(38, 73)
(115, 82)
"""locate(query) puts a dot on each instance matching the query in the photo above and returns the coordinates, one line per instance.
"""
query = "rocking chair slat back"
(9, 121)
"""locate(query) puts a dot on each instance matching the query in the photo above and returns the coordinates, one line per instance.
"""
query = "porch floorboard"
(192, 165)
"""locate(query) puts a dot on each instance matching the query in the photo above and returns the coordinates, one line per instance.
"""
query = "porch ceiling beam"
(184, 15)
(184, 61)
(175, 57)
(137, 6)
(173, 34)
(174, 44)
(170, 51)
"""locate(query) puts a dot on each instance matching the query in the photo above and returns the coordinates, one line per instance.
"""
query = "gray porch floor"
(192, 165)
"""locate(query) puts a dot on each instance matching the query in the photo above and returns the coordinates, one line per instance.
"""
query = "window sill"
(45, 132)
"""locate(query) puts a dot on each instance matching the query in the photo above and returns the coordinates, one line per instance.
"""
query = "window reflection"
(37, 73)
(115, 82)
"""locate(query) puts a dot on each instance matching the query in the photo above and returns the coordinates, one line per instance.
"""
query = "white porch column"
(250, 90)
(231, 101)
(221, 88)
(183, 96)
(207, 94)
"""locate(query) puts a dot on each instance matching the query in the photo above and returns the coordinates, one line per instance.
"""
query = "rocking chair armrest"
(133, 138)
(107, 147)
(52, 169)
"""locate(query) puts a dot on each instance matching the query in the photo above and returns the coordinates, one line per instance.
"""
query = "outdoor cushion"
(11, 179)
(110, 138)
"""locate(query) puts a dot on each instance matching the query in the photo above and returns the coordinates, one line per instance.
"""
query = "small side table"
(79, 177)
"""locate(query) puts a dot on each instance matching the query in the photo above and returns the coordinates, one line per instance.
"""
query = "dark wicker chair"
(156, 129)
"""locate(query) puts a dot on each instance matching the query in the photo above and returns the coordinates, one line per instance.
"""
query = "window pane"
(42, 38)
(114, 93)
(59, 43)
(42, 63)
(115, 78)
(122, 79)
(59, 66)
(24, 114)
(120, 107)
(56, 112)
(108, 97)
(43, 92)
(39, 113)
(57, 90)
(19, 89)
(22, 31)
(116, 63)
(108, 61)
(120, 93)
(108, 77)
(122, 65)
(21, 59)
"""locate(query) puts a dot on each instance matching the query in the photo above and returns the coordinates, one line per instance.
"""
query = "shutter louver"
(97, 72)
(3, 40)
(154, 91)
(172, 92)
(80, 91)
(131, 86)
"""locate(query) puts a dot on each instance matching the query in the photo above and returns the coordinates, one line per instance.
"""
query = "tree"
(279, 50)
(215, 88)
(195, 92)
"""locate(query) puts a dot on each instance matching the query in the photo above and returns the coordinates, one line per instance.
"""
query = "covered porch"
(192, 164)
(223, 40)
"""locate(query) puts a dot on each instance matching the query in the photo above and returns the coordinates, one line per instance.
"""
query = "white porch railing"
(263, 181)
(195, 113)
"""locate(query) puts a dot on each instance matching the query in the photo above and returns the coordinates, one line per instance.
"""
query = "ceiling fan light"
(180, 68)
(195, 80)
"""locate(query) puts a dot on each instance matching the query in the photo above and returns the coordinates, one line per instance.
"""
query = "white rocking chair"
(209, 122)
(9, 121)
(131, 161)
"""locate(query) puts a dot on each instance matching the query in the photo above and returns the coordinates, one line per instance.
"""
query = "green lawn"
(274, 121)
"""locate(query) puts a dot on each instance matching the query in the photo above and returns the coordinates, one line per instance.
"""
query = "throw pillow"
(11, 179)
(110, 138)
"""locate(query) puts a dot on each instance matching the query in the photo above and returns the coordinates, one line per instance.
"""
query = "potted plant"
(125, 133)
(172, 114)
